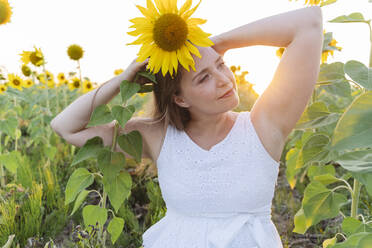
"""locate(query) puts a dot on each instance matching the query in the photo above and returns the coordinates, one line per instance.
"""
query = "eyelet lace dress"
(217, 198)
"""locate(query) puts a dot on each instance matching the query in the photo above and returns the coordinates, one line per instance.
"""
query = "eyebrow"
(205, 69)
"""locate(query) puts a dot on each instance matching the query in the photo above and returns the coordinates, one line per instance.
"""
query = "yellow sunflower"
(75, 84)
(325, 53)
(61, 76)
(168, 35)
(5, 12)
(41, 78)
(15, 81)
(36, 57)
(50, 75)
(26, 70)
(75, 52)
(87, 86)
(28, 83)
(51, 83)
(2, 89)
(63, 82)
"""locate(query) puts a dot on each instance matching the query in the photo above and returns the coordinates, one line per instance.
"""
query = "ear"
(180, 101)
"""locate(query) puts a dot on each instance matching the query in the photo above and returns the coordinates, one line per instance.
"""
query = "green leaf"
(320, 203)
(300, 222)
(351, 226)
(354, 129)
(132, 144)
(118, 188)
(79, 200)
(128, 89)
(331, 73)
(355, 241)
(115, 227)
(50, 151)
(80, 179)
(326, 179)
(366, 179)
(147, 75)
(93, 214)
(11, 160)
(291, 171)
(356, 161)
(353, 17)
(320, 170)
(327, 3)
(123, 114)
(89, 150)
(146, 88)
(329, 242)
(101, 115)
(360, 73)
(110, 163)
(9, 126)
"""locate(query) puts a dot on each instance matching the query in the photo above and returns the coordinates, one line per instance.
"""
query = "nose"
(222, 78)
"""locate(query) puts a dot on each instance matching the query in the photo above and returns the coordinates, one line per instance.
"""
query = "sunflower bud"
(75, 52)
(26, 70)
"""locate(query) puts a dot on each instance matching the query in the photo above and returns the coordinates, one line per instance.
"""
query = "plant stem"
(370, 37)
(79, 71)
(2, 175)
(355, 198)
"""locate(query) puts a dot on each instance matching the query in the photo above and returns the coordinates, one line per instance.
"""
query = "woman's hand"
(135, 67)
(218, 45)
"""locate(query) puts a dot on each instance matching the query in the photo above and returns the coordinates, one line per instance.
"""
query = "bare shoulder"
(152, 134)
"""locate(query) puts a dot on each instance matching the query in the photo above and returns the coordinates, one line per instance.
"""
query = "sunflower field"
(53, 194)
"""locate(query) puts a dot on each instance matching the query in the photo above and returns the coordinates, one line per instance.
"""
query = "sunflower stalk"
(79, 68)
(47, 89)
(2, 175)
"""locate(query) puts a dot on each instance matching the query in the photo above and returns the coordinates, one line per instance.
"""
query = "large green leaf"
(101, 115)
(9, 126)
(353, 17)
(315, 116)
(366, 179)
(80, 179)
(115, 227)
(132, 144)
(110, 163)
(356, 161)
(300, 222)
(354, 129)
(331, 73)
(118, 188)
(79, 200)
(123, 114)
(360, 73)
(321, 203)
(357, 240)
(11, 160)
(89, 150)
(93, 214)
(351, 225)
(128, 89)
(314, 171)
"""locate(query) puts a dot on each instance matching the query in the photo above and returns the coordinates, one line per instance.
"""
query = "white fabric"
(219, 198)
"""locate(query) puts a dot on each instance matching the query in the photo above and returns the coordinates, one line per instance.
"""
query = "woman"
(217, 168)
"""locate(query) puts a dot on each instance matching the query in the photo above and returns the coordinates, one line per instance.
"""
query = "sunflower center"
(170, 32)
(77, 84)
(16, 82)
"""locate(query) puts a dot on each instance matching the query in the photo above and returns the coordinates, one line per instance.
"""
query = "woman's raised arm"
(76, 116)
(278, 30)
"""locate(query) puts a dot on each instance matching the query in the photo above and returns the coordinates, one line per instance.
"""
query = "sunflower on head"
(168, 35)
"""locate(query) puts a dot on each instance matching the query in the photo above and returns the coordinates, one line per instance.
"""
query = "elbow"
(317, 17)
(55, 128)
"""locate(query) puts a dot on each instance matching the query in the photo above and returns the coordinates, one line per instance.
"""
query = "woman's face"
(202, 89)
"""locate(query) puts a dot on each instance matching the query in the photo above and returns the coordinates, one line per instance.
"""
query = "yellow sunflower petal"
(139, 21)
(160, 6)
(174, 61)
(172, 4)
(193, 49)
(146, 12)
(154, 13)
(158, 55)
(144, 52)
(188, 13)
(185, 7)
(195, 21)
(164, 67)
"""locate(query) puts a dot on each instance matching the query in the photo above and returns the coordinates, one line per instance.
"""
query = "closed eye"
(222, 64)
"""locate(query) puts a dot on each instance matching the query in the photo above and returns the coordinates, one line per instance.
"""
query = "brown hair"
(164, 105)
(163, 101)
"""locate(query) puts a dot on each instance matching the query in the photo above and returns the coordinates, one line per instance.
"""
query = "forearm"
(277, 30)
(76, 116)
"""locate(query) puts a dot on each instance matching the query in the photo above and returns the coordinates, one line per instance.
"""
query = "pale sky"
(101, 27)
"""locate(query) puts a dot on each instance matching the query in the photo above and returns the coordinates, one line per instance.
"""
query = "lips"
(227, 92)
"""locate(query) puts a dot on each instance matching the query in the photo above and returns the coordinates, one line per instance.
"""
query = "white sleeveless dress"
(219, 198)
